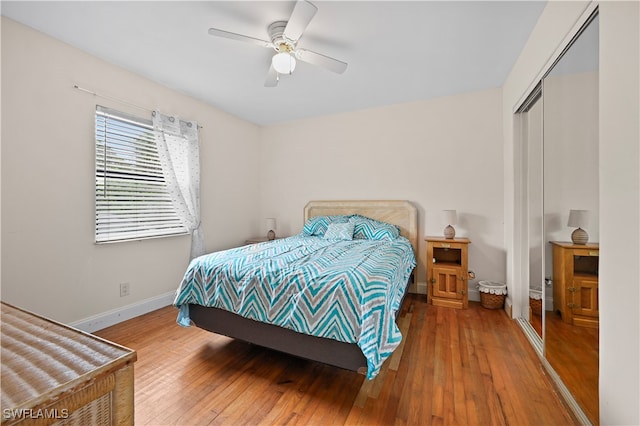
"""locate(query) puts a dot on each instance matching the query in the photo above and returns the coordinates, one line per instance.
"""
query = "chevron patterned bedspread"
(349, 291)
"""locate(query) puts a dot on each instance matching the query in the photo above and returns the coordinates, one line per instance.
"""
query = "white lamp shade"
(449, 217)
(271, 223)
(283, 63)
(578, 218)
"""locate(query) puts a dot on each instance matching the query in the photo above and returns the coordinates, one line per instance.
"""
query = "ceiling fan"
(284, 37)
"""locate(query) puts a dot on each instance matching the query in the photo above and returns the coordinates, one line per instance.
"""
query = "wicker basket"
(535, 301)
(72, 377)
(536, 306)
(492, 294)
(492, 301)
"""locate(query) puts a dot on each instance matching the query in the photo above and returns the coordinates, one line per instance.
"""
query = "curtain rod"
(111, 98)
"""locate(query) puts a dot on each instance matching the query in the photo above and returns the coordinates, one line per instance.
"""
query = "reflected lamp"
(579, 219)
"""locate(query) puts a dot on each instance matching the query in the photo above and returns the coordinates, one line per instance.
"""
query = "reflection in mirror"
(570, 138)
(535, 214)
(529, 177)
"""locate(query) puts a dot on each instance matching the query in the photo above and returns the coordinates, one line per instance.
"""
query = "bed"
(327, 298)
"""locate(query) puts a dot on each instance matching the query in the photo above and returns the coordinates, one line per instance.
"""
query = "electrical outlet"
(124, 289)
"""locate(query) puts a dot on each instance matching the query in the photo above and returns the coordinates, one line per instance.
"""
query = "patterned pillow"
(371, 229)
(339, 231)
(318, 225)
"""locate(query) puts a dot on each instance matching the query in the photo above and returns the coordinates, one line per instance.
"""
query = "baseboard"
(474, 295)
(421, 287)
(548, 303)
(508, 307)
(115, 316)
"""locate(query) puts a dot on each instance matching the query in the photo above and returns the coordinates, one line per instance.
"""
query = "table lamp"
(271, 226)
(579, 219)
(450, 217)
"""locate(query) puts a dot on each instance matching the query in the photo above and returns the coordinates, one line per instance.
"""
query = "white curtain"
(178, 149)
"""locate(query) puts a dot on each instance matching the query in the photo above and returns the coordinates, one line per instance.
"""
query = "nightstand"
(575, 282)
(447, 272)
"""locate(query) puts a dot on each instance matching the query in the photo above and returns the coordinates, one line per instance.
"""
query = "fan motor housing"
(276, 32)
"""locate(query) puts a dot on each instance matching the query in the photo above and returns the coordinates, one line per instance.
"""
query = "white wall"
(439, 154)
(570, 153)
(619, 205)
(50, 263)
(570, 159)
(619, 213)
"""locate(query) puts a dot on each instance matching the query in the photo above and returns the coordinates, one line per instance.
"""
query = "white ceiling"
(397, 51)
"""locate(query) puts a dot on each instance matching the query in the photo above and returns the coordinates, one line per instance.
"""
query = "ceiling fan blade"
(233, 36)
(321, 60)
(272, 78)
(302, 14)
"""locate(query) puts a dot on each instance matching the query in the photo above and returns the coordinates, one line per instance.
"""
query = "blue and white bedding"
(348, 290)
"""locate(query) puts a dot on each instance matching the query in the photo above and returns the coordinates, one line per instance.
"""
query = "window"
(132, 201)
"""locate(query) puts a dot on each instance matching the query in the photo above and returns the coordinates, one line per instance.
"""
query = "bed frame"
(328, 351)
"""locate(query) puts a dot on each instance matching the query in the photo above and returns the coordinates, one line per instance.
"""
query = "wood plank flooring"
(466, 367)
(573, 352)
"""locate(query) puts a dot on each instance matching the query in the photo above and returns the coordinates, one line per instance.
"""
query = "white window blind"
(132, 201)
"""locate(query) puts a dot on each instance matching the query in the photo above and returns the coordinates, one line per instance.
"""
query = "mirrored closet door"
(571, 198)
(559, 146)
(532, 208)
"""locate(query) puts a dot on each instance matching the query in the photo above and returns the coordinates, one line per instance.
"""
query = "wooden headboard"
(397, 212)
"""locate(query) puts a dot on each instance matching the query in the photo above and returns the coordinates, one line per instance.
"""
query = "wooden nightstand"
(575, 282)
(447, 272)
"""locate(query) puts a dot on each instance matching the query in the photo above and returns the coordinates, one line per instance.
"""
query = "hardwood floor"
(470, 366)
(573, 352)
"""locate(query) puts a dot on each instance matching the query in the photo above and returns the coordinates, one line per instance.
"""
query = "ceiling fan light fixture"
(283, 62)
(283, 38)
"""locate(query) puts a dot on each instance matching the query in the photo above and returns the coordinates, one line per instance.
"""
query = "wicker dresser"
(54, 374)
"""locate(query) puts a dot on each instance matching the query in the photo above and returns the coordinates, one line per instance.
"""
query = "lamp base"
(449, 232)
(271, 235)
(579, 236)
